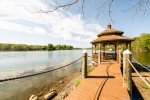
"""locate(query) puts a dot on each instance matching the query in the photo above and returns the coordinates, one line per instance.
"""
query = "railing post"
(84, 65)
(120, 51)
(127, 71)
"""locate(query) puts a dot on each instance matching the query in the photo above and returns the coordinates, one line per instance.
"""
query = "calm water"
(142, 57)
(22, 63)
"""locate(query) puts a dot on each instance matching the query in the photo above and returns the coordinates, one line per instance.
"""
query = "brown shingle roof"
(110, 38)
(109, 31)
(111, 35)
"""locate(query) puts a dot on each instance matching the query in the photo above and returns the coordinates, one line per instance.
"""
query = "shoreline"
(62, 87)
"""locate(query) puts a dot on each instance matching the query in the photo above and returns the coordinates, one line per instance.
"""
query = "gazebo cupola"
(113, 37)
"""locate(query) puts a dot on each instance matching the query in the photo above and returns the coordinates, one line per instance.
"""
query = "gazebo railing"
(105, 56)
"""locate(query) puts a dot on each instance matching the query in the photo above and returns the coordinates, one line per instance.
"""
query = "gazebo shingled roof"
(110, 35)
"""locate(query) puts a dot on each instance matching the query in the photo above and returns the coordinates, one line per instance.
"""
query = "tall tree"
(50, 47)
(142, 42)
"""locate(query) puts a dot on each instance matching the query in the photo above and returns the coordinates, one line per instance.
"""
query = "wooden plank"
(89, 87)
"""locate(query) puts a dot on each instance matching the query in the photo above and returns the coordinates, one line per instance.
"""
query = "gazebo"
(111, 37)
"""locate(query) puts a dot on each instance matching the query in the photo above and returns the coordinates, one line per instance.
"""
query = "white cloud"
(60, 24)
(11, 26)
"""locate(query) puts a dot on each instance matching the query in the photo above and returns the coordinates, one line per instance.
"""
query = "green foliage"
(90, 70)
(77, 82)
(122, 46)
(142, 42)
(63, 47)
(6, 47)
(50, 47)
(21, 47)
(24, 47)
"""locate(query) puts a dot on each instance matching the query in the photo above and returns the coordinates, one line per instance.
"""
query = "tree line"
(25, 47)
(59, 47)
(142, 42)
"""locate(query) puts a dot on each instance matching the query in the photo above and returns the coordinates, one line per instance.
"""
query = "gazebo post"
(100, 52)
(126, 45)
(104, 51)
(95, 49)
(130, 46)
(92, 49)
(115, 52)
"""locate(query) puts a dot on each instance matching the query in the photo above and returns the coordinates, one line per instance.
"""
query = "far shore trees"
(142, 42)
(59, 47)
(50, 47)
(24, 47)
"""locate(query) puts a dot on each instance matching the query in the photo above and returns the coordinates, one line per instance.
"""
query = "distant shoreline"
(25, 47)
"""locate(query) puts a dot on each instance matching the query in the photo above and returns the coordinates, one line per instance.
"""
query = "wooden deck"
(98, 87)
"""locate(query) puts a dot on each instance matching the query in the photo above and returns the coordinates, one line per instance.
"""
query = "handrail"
(139, 74)
(19, 77)
(121, 58)
(141, 65)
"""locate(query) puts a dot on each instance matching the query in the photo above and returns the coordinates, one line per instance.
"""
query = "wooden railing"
(104, 56)
(127, 70)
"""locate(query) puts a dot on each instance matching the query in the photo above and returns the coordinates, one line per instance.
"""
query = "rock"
(60, 82)
(49, 95)
(33, 97)
(51, 90)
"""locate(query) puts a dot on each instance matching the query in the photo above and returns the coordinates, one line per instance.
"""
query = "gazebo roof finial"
(109, 26)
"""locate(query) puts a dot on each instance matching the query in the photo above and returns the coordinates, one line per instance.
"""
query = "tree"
(69, 47)
(142, 42)
(58, 47)
(50, 47)
(6, 47)
(145, 41)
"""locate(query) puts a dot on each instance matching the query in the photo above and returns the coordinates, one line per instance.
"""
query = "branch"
(107, 3)
(109, 12)
(102, 6)
(139, 6)
(83, 1)
(59, 6)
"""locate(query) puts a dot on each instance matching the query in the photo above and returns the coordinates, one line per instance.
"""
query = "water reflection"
(142, 57)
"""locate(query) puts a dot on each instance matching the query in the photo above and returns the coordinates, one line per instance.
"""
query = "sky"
(21, 24)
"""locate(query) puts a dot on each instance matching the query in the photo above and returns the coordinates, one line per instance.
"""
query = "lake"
(14, 64)
(142, 57)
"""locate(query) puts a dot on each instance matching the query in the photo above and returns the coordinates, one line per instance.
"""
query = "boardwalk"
(99, 87)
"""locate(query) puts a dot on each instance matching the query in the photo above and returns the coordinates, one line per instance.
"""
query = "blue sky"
(18, 23)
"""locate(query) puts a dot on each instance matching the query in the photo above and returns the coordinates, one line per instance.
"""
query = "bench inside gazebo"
(109, 37)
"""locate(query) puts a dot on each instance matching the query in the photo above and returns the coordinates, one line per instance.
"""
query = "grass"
(144, 86)
(77, 82)
(90, 70)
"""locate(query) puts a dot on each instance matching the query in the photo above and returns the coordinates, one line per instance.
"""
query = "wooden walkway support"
(99, 86)
(84, 64)
(127, 71)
